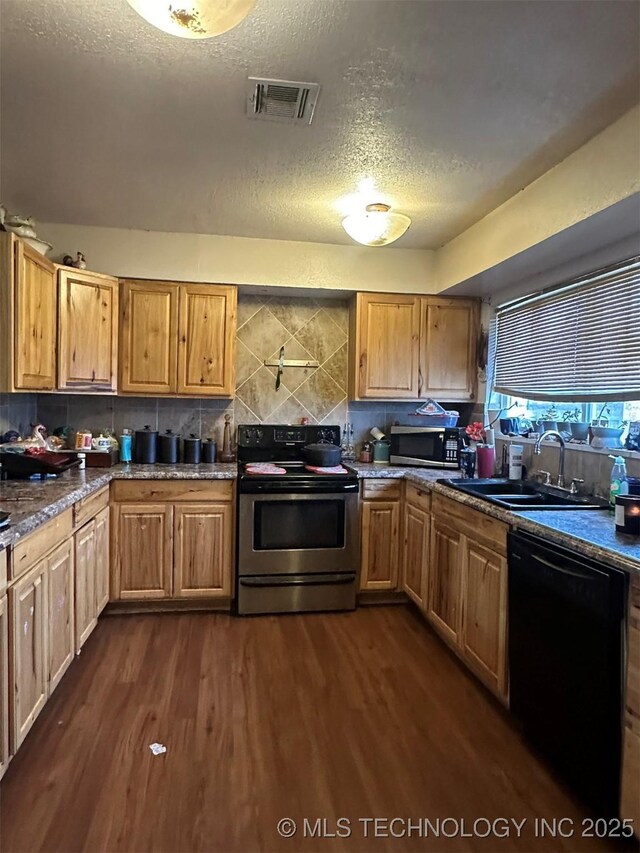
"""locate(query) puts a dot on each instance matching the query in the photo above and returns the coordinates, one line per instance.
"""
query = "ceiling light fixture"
(193, 19)
(376, 225)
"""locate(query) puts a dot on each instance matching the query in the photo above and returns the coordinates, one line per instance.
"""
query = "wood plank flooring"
(354, 715)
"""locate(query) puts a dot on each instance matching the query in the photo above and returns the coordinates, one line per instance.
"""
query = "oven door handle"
(299, 580)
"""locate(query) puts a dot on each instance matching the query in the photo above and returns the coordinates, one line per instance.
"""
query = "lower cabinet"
(29, 649)
(467, 588)
(203, 550)
(4, 685)
(61, 613)
(484, 613)
(103, 551)
(443, 601)
(143, 551)
(380, 534)
(85, 587)
(175, 543)
(417, 523)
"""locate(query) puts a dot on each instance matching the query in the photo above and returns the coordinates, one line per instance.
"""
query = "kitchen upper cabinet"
(4, 685)
(203, 550)
(28, 317)
(385, 347)
(410, 347)
(28, 609)
(85, 587)
(148, 337)
(484, 613)
(448, 351)
(177, 339)
(87, 331)
(102, 560)
(415, 555)
(443, 603)
(143, 551)
(61, 612)
(207, 324)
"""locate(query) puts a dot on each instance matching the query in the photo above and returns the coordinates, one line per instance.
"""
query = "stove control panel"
(271, 436)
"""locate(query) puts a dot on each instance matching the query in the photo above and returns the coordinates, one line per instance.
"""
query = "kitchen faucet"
(538, 450)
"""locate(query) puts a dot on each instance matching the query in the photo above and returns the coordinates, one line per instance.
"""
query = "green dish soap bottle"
(619, 482)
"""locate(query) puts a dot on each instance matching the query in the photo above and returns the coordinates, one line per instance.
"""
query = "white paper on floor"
(157, 748)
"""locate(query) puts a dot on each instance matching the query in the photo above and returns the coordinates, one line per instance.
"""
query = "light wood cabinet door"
(380, 545)
(102, 560)
(143, 551)
(484, 614)
(35, 320)
(87, 331)
(206, 342)
(416, 554)
(148, 337)
(203, 550)
(630, 793)
(385, 347)
(4, 685)
(443, 599)
(85, 586)
(448, 352)
(61, 612)
(29, 650)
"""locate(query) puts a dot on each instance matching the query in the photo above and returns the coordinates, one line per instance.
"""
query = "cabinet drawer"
(418, 496)
(3, 571)
(29, 550)
(89, 507)
(381, 490)
(488, 531)
(134, 491)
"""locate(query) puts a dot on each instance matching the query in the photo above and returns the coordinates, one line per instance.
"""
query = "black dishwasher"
(566, 658)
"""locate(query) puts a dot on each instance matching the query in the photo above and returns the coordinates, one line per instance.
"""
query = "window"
(614, 413)
(579, 342)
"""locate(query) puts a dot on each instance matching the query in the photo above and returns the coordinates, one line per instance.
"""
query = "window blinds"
(580, 342)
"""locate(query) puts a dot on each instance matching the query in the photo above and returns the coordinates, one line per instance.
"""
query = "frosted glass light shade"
(193, 19)
(376, 225)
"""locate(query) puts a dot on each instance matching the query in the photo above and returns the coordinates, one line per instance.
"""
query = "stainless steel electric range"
(298, 533)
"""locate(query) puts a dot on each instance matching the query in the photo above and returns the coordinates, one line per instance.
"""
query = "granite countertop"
(33, 502)
(591, 532)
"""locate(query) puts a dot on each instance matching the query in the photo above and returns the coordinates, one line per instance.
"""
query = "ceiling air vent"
(281, 100)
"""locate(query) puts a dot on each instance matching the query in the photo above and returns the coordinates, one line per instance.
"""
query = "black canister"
(192, 449)
(145, 449)
(208, 450)
(169, 444)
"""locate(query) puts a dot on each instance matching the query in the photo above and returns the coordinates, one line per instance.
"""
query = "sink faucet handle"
(576, 482)
(545, 477)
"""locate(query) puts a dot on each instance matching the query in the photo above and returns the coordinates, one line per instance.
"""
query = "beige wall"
(598, 175)
(243, 260)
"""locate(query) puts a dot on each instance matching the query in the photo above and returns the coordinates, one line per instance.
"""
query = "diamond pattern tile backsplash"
(309, 329)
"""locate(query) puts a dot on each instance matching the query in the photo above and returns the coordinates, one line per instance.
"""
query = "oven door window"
(298, 525)
(420, 445)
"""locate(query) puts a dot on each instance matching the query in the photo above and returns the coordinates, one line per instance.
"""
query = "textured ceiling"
(450, 107)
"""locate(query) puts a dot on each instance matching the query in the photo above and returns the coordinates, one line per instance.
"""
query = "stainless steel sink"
(519, 496)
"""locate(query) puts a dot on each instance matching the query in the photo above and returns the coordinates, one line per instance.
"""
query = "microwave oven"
(430, 447)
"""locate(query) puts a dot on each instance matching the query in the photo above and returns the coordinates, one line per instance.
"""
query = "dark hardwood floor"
(354, 715)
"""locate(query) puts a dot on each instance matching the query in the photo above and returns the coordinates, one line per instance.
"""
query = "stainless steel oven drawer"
(296, 593)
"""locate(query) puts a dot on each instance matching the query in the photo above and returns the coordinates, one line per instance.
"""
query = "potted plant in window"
(549, 419)
(572, 424)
